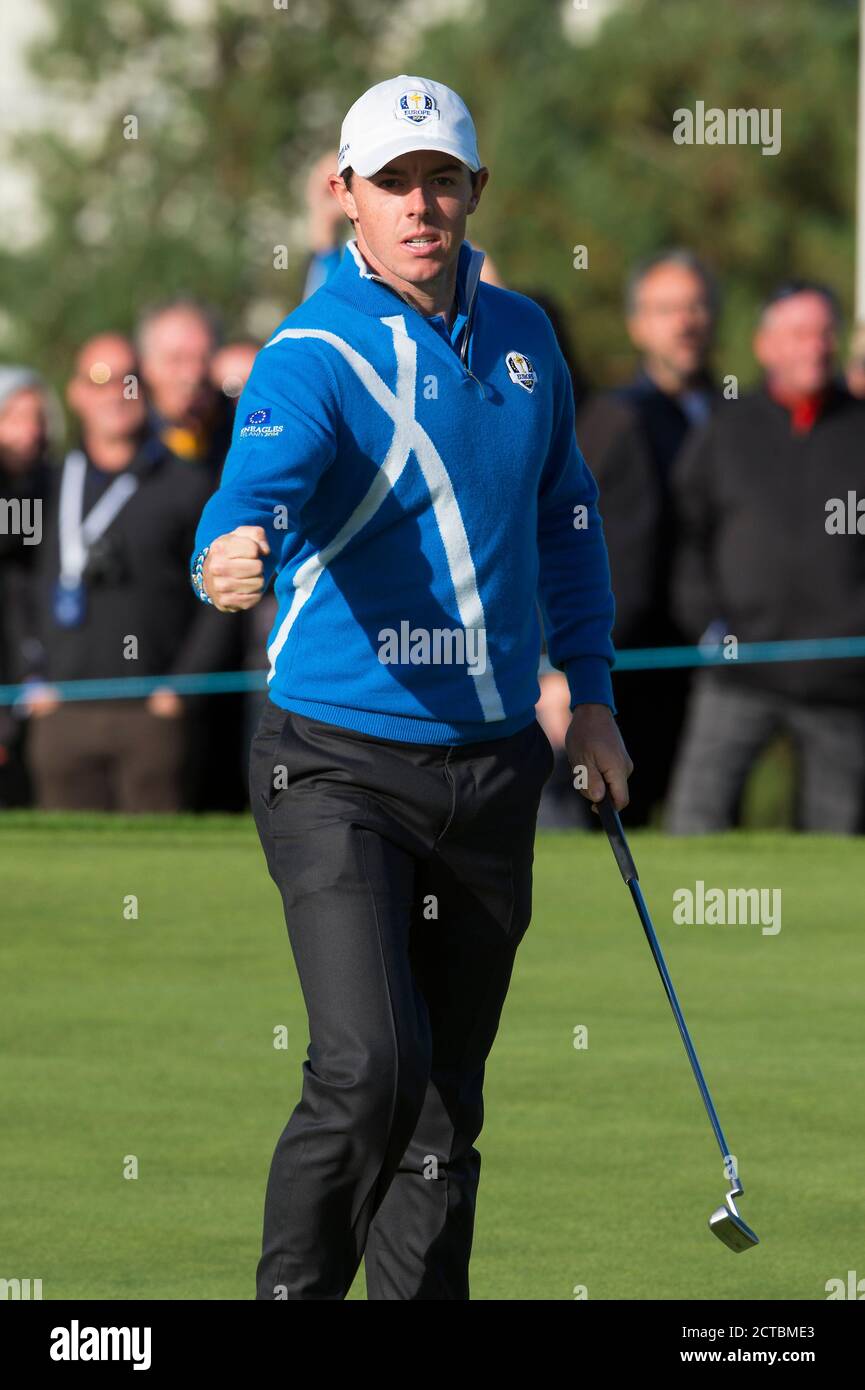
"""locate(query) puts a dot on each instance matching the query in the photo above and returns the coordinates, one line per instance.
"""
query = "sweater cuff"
(589, 681)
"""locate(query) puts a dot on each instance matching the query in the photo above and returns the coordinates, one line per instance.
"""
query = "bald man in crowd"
(230, 367)
(176, 343)
(185, 373)
(631, 438)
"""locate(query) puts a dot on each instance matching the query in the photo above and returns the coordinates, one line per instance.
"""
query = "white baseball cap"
(403, 114)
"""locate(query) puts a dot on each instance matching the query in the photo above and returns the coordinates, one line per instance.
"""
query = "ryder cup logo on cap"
(416, 107)
(405, 114)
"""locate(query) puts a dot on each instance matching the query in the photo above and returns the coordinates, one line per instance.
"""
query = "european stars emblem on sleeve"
(521, 371)
(257, 425)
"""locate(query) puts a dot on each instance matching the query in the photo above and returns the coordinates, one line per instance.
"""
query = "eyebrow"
(400, 169)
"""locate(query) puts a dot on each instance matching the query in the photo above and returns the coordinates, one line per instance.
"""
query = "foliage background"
(236, 98)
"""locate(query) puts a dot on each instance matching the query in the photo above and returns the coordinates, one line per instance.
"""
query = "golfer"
(404, 465)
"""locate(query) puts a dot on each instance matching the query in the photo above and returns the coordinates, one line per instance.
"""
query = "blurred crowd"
(714, 502)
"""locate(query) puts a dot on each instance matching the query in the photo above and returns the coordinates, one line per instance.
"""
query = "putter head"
(728, 1226)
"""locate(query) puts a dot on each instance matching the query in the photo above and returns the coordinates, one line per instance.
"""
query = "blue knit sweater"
(423, 493)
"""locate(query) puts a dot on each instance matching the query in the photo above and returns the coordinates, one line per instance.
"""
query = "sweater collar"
(355, 276)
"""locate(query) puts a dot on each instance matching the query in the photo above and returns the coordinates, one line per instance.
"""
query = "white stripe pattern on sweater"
(408, 435)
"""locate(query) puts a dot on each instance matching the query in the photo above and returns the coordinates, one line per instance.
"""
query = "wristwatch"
(198, 576)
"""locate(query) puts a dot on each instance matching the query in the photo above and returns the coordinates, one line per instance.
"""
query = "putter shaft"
(628, 869)
(725, 1222)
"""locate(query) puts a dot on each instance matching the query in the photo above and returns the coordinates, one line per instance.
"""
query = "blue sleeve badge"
(257, 424)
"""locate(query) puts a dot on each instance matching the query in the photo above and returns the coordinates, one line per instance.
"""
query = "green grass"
(154, 1038)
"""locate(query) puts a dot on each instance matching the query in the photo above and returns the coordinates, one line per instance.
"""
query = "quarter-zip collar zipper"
(473, 275)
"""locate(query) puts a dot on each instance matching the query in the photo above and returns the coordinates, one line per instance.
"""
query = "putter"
(725, 1223)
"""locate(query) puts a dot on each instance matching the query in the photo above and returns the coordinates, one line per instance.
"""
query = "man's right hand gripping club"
(233, 571)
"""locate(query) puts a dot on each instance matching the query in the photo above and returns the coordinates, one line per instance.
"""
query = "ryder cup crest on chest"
(521, 371)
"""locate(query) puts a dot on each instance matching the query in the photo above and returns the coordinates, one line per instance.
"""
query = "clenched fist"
(234, 570)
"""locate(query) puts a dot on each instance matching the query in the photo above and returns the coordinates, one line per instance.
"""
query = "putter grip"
(616, 835)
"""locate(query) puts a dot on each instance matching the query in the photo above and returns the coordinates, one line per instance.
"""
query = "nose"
(416, 199)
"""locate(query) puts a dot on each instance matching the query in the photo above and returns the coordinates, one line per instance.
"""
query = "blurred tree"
(233, 100)
(578, 136)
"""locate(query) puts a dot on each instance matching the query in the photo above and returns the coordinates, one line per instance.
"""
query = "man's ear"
(479, 180)
(343, 196)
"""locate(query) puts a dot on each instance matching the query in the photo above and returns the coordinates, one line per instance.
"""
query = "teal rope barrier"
(806, 649)
(637, 659)
(139, 687)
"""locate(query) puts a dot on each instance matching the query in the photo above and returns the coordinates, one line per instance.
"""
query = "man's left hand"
(593, 741)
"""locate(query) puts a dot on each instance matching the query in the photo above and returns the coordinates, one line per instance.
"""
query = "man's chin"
(689, 364)
(812, 385)
(418, 269)
(191, 415)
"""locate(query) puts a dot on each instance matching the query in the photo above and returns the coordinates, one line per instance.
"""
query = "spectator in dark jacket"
(185, 373)
(111, 599)
(29, 417)
(762, 558)
(630, 438)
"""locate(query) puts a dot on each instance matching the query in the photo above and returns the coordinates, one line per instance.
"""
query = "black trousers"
(406, 877)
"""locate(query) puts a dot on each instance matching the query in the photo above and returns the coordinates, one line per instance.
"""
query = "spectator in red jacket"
(761, 559)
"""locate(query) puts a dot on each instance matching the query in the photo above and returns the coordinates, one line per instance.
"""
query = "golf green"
(147, 977)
